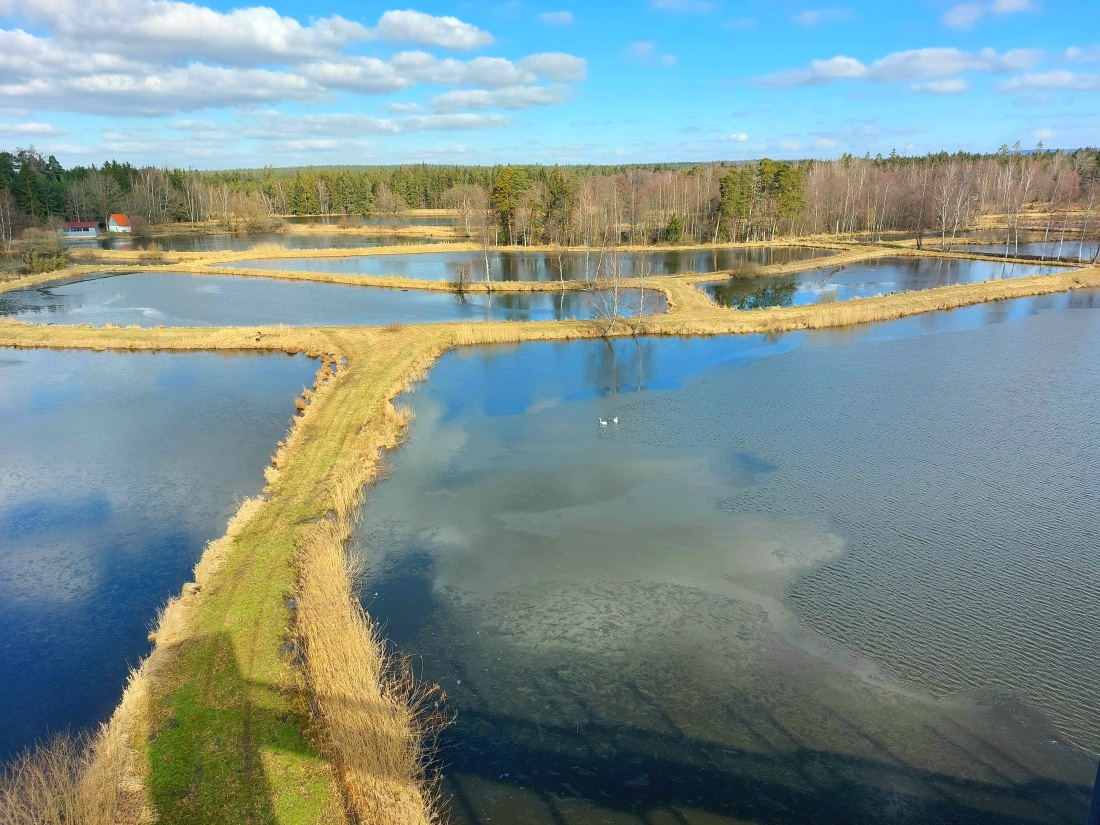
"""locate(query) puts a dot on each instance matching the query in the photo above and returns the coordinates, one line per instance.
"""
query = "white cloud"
(47, 73)
(914, 65)
(1083, 55)
(403, 108)
(739, 137)
(274, 126)
(966, 15)
(416, 27)
(165, 57)
(556, 18)
(515, 97)
(647, 53)
(1045, 134)
(365, 75)
(170, 31)
(953, 86)
(157, 92)
(1054, 79)
(25, 129)
(556, 66)
(815, 17)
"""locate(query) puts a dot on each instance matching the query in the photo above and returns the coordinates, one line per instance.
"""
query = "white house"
(117, 222)
(79, 229)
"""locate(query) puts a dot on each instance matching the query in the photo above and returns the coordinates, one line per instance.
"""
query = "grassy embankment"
(223, 722)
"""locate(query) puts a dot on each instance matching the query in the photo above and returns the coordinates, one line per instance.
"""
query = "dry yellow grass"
(368, 717)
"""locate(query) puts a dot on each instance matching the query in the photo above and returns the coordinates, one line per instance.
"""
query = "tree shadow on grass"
(207, 759)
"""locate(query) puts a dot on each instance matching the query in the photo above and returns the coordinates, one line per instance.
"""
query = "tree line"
(934, 197)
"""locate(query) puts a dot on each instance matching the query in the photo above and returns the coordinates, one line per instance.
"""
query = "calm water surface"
(540, 266)
(120, 467)
(832, 578)
(181, 300)
(377, 220)
(1072, 250)
(877, 276)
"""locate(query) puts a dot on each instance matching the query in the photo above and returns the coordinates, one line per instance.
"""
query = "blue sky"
(214, 85)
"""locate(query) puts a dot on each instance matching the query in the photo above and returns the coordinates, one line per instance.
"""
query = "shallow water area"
(121, 466)
(826, 577)
(543, 266)
(863, 279)
(181, 300)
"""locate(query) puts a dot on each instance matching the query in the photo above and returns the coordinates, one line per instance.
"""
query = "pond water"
(182, 300)
(377, 220)
(876, 276)
(541, 266)
(1072, 250)
(120, 468)
(242, 243)
(844, 577)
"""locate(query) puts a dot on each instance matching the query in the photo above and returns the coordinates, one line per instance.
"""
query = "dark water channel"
(541, 266)
(864, 279)
(119, 469)
(182, 300)
(842, 577)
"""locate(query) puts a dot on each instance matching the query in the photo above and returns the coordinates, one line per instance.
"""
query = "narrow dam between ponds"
(813, 577)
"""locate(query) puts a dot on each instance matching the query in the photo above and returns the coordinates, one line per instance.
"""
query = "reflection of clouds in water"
(209, 289)
(64, 569)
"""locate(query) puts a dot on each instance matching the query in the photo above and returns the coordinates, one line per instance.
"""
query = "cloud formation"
(966, 15)
(816, 17)
(1054, 79)
(417, 27)
(915, 65)
(157, 57)
(513, 97)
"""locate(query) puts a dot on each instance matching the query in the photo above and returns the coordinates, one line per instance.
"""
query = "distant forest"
(934, 197)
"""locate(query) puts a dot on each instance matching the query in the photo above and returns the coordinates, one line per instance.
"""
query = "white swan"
(603, 423)
(615, 420)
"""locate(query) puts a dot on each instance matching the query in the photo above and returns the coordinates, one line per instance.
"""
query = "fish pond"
(837, 577)
(542, 266)
(875, 276)
(182, 300)
(121, 466)
(1070, 250)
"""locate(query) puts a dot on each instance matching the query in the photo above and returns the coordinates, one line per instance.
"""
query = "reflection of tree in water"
(618, 366)
(737, 294)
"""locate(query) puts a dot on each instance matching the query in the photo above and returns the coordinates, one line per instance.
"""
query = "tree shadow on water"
(511, 769)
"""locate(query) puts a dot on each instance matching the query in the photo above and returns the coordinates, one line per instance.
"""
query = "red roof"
(81, 224)
(120, 219)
